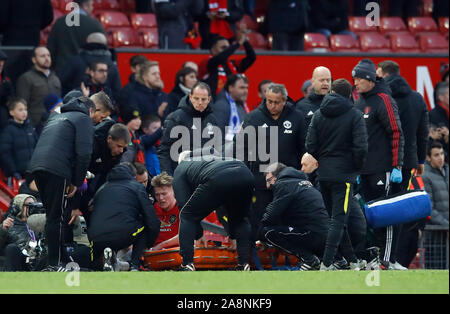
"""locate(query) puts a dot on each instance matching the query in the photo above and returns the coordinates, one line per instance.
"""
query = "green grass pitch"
(229, 282)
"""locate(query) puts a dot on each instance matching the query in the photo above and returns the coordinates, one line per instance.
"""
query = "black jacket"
(174, 98)
(291, 139)
(64, 147)
(385, 136)
(309, 105)
(184, 117)
(287, 16)
(296, 203)
(414, 118)
(121, 208)
(329, 14)
(17, 142)
(438, 116)
(6, 92)
(337, 138)
(146, 99)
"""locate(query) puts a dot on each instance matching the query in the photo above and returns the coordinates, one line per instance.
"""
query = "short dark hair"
(93, 65)
(263, 82)
(275, 168)
(233, 78)
(201, 85)
(140, 168)
(434, 144)
(137, 60)
(149, 119)
(215, 40)
(389, 67)
(103, 99)
(182, 73)
(342, 87)
(119, 132)
(12, 103)
(440, 88)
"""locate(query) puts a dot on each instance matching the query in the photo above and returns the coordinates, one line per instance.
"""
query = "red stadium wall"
(293, 70)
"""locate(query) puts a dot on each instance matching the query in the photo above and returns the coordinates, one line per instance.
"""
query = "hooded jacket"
(385, 136)
(296, 203)
(290, 136)
(64, 147)
(183, 117)
(146, 99)
(122, 208)
(17, 142)
(337, 138)
(309, 105)
(414, 118)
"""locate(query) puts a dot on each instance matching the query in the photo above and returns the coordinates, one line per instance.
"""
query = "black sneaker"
(109, 259)
(59, 269)
(313, 264)
(244, 267)
(373, 258)
(188, 267)
(341, 264)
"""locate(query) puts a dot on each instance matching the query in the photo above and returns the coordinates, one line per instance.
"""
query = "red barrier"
(421, 71)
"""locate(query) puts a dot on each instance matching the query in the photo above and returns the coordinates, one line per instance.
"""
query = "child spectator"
(151, 127)
(135, 151)
(17, 140)
(52, 103)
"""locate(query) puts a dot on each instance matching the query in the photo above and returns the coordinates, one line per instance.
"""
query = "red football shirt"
(169, 223)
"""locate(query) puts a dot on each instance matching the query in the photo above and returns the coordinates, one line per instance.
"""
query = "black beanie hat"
(129, 114)
(365, 69)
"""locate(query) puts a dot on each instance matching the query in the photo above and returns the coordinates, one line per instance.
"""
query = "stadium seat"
(249, 22)
(344, 43)
(258, 41)
(392, 24)
(421, 24)
(316, 42)
(433, 43)
(113, 19)
(63, 5)
(404, 42)
(357, 25)
(55, 4)
(143, 20)
(149, 37)
(374, 42)
(443, 25)
(105, 5)
(125, 37)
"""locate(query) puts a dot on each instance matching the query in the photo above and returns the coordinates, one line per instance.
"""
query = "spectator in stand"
(330, 17)
(17, 140)
(168, 212)
(52, 103)
(262, 86)
(95, 50)
(444, 72)
(6, 91)
(287, 21)
(135, 151)
(150, 139)
(306, 90)
(135, 65)
(194, 116)
(66, 40)
(34, 85)
(219, 19)
(96, 80)
(146, 93)
(404, 9)
(185, 79)
(435, 179)
(440, 9)
(191, 64)
(21, 21)
(230, 107)
(439, 117)
(218, 66)
(175, 19)
(321, 83)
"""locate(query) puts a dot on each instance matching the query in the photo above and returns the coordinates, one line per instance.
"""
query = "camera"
(33, 208)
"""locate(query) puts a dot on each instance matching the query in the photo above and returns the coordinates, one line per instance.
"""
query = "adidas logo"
(380, 183)
(194, 127)
(310, 113)
(265, 126)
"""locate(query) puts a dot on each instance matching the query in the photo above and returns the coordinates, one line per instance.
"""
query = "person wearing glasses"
(96, 80)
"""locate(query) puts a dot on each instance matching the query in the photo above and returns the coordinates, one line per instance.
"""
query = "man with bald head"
(95, 51)
(35, 84)
(321, 84)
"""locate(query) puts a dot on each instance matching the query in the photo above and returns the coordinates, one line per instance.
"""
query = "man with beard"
(37, 83)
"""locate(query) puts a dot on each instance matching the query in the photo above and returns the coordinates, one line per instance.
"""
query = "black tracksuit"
(309, 105)
(61, 158)
(123, 215)
(183, 118)
(289, 148)
(337, 138)
(202, 186)
(296, 219)
(386, 149)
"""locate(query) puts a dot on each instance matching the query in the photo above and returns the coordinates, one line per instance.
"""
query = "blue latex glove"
(396, 176)
(358, 179)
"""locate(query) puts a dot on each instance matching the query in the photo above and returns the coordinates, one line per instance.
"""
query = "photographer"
(18, 242)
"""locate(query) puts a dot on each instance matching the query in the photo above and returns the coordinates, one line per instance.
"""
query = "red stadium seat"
(63, 5)
(140, 20)
(55, 4)
(392, 24)
(443, 25)
(316, 42)
(374, 42)
(127, 5)
(433, 43)
(344, 43)
(249, 22)
(149, 37)
(106, 5)
(404, 42)
(258, 41)
(358, 24)
(113, 19)
(421, 24)
(125, 37)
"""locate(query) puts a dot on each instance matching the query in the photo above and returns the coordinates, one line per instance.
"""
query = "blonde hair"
(161, 180)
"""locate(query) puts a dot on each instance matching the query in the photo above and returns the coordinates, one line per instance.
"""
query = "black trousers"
(14, 259)
(338, 199)
(232, 189)
(261, 198)
(304, 244)
(52, 192)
